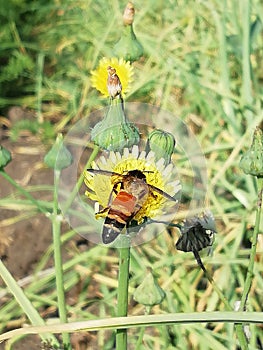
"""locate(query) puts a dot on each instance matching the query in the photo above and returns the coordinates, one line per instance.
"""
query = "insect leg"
(199, 261)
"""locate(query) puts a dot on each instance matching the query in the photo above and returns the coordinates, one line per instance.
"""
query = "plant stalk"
(25, 304)
(56, 230)
(249, 276)
(39, 82)
(123, 283)
(23, 191)
(246, 50)
(239, 329)
(142, 330)
(211, 280)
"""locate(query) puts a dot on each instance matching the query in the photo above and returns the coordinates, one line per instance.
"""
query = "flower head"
(99, 77)
(157, 175)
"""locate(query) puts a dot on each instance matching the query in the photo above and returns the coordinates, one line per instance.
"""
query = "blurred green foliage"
(203, 61)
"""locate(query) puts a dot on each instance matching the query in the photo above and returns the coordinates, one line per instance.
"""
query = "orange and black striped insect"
(131, 192)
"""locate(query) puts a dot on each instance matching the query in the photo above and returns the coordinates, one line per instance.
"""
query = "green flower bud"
(5, 157)
(162, 143)
(114, 133)
(149, 292)
(59, 156)
(128, 47)
(252, 161)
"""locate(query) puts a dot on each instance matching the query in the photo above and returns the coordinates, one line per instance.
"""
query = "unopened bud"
(252, 161)
(149, 293)
(128, 47)
(114, 132)
(162, 143)
(59, 156)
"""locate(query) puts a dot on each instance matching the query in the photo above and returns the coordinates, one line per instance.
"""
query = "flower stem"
(249, 276)
(250, 269)
(211, 280)
(239, 329)
(142, 331)
(25, 303)
(123, 283)
(23, 191)
(56, 225)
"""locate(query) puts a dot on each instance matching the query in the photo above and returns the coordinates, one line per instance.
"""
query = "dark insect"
(195, 238)
(197, 234)
(132, 191)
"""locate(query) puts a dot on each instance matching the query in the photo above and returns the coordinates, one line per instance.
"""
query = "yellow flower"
(157, 174)
(123, 69)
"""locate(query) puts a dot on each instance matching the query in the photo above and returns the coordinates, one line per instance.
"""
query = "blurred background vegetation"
(203, 61)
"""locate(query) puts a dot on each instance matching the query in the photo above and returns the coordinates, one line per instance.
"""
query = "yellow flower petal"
(99, 76)
(100, 185)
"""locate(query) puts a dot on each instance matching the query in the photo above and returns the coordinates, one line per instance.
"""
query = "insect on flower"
(100, 75)
(129, 194)
(113, 83)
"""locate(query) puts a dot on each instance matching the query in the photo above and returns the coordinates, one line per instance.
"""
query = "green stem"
(80, 180)
(142, 331)
(220, 22)
(249, 276)
(25, 303)
(123, 283)
(239, 329)
(247, 96)
(211, 280)
(39, 82)
(219, 292)
(56, 225)
(246, 66)
(23, 191)
(140, 338)
(17, 38)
